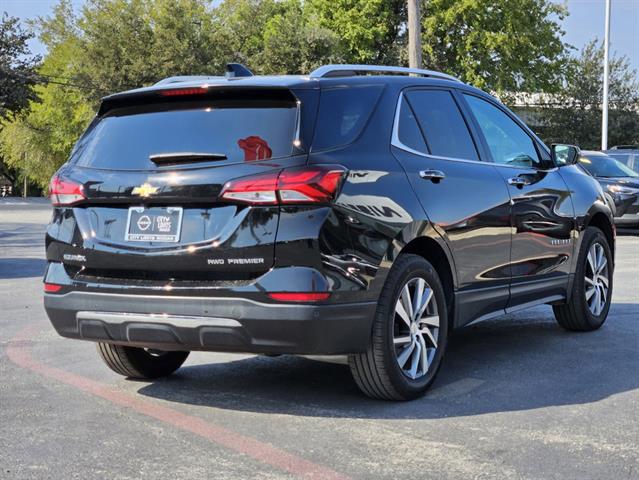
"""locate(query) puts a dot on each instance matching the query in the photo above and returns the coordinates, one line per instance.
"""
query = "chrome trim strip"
(158, 319)
(325, 70)
(395, 141)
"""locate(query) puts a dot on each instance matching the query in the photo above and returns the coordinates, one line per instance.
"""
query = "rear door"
(153, 168)
(464, 197)
(542, 210)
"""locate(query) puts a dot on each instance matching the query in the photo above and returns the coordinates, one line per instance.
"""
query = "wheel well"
(435, 255)
(600, 221)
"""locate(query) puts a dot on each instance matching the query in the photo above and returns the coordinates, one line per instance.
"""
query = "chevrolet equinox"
(360, 210)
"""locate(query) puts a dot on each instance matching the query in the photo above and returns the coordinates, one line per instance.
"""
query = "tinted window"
(509, 144)
(628, 159)
(343, 113)
(126, 137)
(442, 124)
(604, 166)
(408, 130)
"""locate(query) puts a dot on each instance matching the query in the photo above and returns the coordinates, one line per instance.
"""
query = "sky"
(585, 22)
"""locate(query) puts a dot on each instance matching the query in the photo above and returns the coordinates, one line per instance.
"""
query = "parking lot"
(517, 397)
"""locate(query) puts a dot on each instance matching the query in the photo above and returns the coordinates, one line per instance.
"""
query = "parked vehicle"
(336, 213)
(620, 185)
(626, 154)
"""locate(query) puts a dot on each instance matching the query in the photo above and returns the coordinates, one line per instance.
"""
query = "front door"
(542, 210)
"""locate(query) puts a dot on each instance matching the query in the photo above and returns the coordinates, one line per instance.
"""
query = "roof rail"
(187, 78)
(350, 70)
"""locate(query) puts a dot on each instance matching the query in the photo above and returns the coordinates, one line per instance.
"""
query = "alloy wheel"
(415, 328)
(596, 283)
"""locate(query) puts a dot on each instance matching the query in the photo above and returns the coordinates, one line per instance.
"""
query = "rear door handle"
(434, 176)
(518, 182)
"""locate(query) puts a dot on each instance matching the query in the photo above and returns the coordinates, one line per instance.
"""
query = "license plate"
(154, 224)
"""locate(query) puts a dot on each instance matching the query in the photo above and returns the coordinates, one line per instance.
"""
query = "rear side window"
(125, 138)
(343, 113)
(444, 128)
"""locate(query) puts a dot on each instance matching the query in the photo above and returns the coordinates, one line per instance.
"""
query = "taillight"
(299, 296)
(65, 192)
(314, 184)
(52, 287)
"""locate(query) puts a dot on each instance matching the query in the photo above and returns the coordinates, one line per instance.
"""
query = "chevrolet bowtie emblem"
(144, 190)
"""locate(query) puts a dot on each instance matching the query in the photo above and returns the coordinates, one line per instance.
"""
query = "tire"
(377, 371)
(580, 314)
(140, 363)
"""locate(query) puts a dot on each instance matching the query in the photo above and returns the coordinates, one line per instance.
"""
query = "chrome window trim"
(395, 141)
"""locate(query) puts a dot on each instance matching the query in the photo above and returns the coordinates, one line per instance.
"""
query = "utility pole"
(24, 188)
(606, 81)
(414, 35)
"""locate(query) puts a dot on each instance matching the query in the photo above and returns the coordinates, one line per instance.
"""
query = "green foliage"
(498, 45)
(114, 45)
(370, 31)
(574, 114)
(39, 141)
(17, 68)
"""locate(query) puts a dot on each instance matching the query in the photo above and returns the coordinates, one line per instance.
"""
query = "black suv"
(358, 210)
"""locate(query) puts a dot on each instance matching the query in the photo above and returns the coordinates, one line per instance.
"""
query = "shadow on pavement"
(517, 363)
(21, 267)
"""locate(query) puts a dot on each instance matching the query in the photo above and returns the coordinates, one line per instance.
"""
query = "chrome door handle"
(518, 182)
(433, 175)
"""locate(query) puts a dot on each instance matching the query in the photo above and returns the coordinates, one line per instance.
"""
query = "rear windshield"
(343, 113)
(126, 138)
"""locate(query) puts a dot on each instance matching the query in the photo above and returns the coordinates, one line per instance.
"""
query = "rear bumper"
(211, 324)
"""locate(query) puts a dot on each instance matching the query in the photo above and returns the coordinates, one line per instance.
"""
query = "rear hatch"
(150, 170)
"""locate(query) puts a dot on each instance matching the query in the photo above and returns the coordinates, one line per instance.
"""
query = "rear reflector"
(52, 287)
(65, 192)
(174, 92)
(299, 296)
(312, 184)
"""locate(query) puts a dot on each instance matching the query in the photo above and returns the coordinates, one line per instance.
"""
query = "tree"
(114, 45)
(39, 139)
(497, 45)
(17, 68)
(574, 114)
(296, 43)
(17, 77)
(369, 31)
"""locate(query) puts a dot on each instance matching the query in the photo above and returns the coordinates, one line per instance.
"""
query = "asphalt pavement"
(517, 397)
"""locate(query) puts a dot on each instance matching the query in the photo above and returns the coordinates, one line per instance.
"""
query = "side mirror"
(564, 155)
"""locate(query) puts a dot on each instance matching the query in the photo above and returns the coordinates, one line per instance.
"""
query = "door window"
(509, 144)
(442, 124)
(408, 131)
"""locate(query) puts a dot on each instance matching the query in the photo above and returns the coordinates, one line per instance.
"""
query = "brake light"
(257, 190)
(52, 287)
(315, 184)
(65, 192)
(174, 92)
(299, 296)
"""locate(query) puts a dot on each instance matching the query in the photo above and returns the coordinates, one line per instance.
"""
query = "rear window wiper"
(175, 158)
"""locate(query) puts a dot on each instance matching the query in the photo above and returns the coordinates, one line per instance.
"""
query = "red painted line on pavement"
(19, 353)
